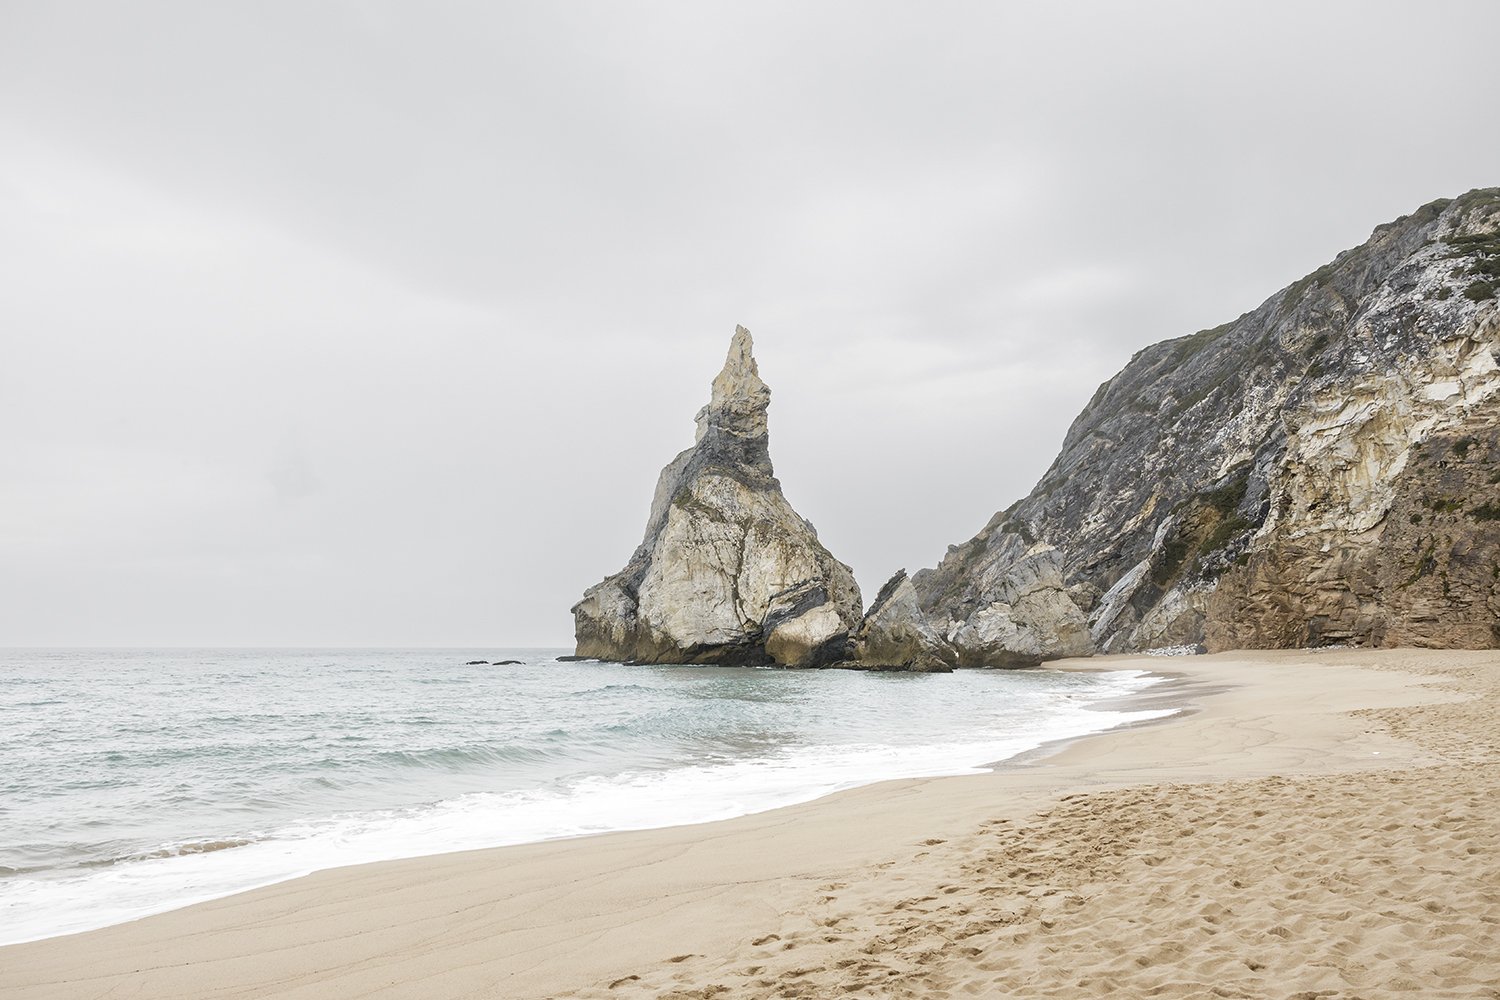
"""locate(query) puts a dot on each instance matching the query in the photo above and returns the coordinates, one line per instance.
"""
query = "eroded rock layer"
(727, 572)
(895, 634)
(1319, 470)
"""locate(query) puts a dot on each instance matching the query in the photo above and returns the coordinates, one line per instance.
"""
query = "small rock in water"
(570, 658)
(503, 663)
(477, 663)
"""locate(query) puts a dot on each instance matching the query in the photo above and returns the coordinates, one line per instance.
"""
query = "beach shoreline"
(763, 740)
(1172, 692)
(697, 908)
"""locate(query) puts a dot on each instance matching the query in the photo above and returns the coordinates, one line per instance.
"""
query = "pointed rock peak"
(741, 349)
(888, 592)
(740, 399)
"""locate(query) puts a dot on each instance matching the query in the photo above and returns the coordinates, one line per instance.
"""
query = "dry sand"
(1319, 824)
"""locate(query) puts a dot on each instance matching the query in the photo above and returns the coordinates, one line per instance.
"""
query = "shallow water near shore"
(137, 781)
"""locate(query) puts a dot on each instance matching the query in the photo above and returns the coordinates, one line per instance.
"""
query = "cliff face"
(1325, 468)
(727, 572)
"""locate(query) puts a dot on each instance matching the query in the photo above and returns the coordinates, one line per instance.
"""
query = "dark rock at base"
(570, 658)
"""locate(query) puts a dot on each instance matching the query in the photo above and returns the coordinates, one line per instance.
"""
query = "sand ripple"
(1369, 885)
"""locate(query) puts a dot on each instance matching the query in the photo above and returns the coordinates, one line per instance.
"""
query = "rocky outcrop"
(728, 572)
(1323, 469)
(1007, 604)
(1316, 471)
(895, 634)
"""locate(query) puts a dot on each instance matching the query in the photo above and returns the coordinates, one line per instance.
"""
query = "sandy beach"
(1312, 824)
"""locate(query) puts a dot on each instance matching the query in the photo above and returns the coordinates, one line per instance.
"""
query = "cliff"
(727, 572)
(1324, 469)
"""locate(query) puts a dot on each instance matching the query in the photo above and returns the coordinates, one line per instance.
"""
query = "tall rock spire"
(740, 399)
(732, 426)
(727, 571)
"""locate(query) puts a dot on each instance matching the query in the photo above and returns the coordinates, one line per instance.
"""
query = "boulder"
(896, 635)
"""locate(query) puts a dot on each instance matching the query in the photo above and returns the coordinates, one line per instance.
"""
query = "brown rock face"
(1427, 575)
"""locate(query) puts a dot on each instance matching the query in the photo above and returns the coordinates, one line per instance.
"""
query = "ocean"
(136, 781)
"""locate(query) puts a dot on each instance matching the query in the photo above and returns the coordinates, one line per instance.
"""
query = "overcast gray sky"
(372, 323)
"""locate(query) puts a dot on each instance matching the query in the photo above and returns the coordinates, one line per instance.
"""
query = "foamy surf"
(653, 747)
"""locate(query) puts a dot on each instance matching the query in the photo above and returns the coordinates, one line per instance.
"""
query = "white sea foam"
(66, 900)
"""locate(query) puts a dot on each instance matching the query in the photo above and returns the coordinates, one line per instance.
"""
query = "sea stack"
(727, 573)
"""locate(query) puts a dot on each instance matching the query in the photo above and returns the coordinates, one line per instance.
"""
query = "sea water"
(137, 781)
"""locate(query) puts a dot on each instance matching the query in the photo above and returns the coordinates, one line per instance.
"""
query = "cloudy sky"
(372, 323)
